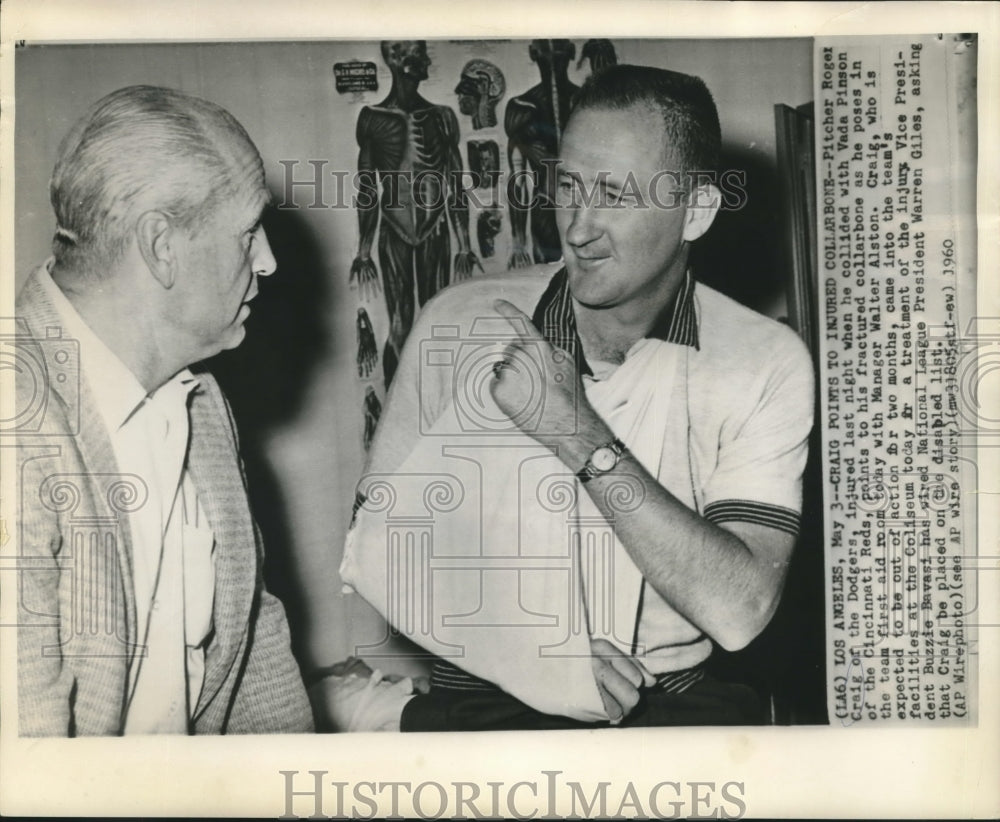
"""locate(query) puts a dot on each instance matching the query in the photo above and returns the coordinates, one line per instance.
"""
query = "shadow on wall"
(266, 380)
(742, 254)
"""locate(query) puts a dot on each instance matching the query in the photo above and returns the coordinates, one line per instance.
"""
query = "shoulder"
(737, 340)
(210, 385)
(48, 387)
(30, 301)
(747, 362)
(213, 397)
(210, 401)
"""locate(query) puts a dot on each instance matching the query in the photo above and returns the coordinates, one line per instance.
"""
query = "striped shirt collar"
(677, 323)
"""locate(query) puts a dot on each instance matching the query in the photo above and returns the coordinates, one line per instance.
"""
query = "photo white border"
(787, 772)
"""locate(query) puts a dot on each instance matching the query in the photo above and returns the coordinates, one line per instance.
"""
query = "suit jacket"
(76, 603)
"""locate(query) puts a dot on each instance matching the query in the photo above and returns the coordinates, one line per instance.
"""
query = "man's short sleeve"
(762, 449)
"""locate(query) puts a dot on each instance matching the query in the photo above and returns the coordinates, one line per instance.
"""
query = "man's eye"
(565, 192)
(624, 199)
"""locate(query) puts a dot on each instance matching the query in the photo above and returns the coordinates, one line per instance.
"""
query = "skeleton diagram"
(409, 180)
(534, 122)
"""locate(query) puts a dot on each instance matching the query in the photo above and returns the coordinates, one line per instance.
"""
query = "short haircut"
(138, 149)
(692, 135)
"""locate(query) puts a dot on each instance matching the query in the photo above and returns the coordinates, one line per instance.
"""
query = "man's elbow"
(747, 623)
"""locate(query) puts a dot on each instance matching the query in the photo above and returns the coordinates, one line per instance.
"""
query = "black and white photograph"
(444, 419)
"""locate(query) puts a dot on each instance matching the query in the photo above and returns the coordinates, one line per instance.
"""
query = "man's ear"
(702, 208)
(157, 240)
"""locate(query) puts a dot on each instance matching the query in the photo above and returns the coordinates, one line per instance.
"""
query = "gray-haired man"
(141, 607)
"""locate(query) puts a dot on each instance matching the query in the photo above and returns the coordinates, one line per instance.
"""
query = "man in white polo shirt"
(678, 418)
(141, 607)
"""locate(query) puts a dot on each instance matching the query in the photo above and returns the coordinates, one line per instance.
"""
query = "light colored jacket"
(76, 603)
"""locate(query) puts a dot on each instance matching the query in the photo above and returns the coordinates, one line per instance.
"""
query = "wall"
(294, 383)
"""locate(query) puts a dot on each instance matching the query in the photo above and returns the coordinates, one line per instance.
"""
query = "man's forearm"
(706, 573)
(725, 581)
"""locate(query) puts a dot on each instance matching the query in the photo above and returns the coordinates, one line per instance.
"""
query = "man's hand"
(549, 406)
(619, 678)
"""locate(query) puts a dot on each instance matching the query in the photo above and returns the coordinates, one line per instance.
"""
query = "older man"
(649, 472)
(141, 606)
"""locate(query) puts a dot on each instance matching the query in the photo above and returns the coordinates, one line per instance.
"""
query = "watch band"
(589, 470)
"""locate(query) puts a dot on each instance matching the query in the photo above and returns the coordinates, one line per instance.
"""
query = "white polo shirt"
(742, 425)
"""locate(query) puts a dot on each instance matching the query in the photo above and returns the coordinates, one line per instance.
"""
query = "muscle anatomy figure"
(534, 122)
(410, 185)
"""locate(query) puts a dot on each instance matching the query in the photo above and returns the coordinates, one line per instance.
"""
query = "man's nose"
(264, 264)
(583, 226)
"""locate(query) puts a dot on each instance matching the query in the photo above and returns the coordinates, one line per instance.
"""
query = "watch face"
(604, 459)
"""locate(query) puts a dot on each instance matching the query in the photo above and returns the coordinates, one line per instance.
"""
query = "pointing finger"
(519, 321)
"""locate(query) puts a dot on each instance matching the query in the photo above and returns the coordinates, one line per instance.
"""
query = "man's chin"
(586, 288)
(234, 338)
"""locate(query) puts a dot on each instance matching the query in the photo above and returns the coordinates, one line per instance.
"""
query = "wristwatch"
(601, 460)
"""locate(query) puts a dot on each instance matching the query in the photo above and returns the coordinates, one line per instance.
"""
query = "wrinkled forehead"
(245, 167)
(244, 209)
(253, 198)
(258, 199)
